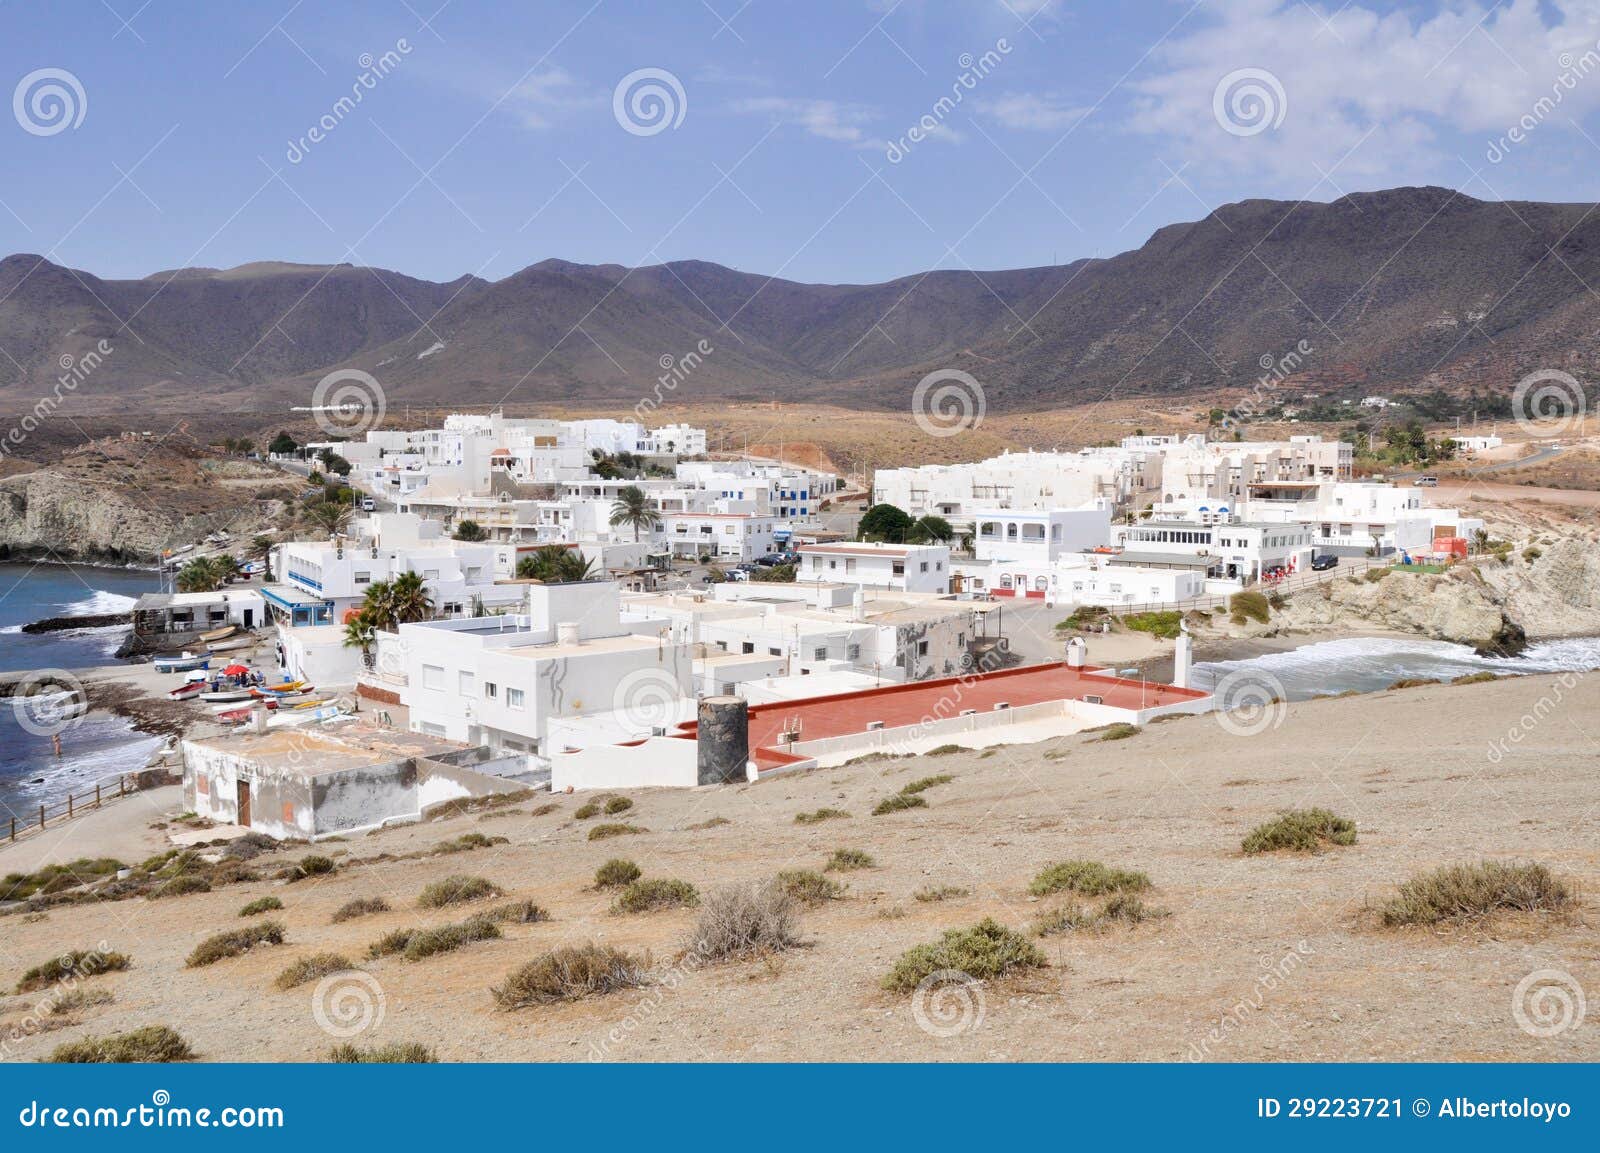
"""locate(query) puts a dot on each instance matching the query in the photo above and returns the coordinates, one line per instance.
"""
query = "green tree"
(359, 633)
(885, 522)
(930, 530)
(632, 507)
(555, 564)
(283, 444)
(378, 605)
(470, 530)
(227, 567)
(411, 599)
(331, 516)
(201, 575)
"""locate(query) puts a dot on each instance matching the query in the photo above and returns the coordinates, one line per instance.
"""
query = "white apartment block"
(1228, 550)
(1119, 477)
(726, 536)
(1038, 536)
(871, 564)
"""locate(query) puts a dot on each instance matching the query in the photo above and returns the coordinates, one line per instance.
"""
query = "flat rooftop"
(317, 750)
(627, 642)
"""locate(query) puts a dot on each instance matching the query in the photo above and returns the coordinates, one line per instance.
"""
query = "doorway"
(249, 618)
(244, 804)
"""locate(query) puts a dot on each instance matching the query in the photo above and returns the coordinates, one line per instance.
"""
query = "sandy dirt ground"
(1261, 958)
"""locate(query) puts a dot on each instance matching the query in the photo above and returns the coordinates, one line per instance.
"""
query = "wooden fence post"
(41, 816)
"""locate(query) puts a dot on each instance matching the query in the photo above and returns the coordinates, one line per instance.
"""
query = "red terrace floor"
(910, 704)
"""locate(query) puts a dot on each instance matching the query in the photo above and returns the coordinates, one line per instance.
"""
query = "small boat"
(308, 717)
(231, 713)
(309, 704)
(230, 646)
(182, 663)
(187, 691)
(226, 695)
(285, 687)
(221, 634)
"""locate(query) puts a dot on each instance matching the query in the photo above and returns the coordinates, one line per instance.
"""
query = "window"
(514, 698)
(853, 652)
(433, 677)
(467, 682)
(431, 574)
(490, 690)
(431, 729)
(748, 647)
(924, 566)
(774, 652)
(362, 578)
(820, 654)
(922, 648)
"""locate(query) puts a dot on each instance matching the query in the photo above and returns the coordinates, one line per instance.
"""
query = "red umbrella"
(235, 671)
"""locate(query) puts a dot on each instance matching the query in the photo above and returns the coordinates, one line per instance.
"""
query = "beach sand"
(1259, 958)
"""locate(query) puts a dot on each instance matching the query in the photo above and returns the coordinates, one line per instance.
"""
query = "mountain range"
(1381, 290)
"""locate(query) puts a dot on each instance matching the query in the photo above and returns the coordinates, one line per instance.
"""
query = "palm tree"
(359, 633)
(261, 549)
(470, 530)
(330, 515)
(410, 598)
(378, 605)
(201, 575)
(633, 508)
(554, 564)
(226, 566)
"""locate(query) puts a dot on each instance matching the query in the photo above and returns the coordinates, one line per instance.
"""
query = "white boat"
(182, 663)
(227, 695)
(230, 646)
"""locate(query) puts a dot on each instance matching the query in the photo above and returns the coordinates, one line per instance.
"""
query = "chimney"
(567, 632)
(722, 740)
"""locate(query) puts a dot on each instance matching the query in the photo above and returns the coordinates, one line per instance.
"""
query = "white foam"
(99, 603)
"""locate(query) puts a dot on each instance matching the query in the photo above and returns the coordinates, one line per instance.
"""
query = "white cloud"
(551, 95)
(1406, 92)
(1038, 113)
(827, 119)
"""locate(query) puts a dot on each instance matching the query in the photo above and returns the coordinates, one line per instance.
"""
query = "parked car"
(368, 505)
(739, 574)
(771, 560)
(1426, 482)
(1324, 563)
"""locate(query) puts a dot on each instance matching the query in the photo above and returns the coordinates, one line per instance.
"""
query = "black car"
(1324, 563)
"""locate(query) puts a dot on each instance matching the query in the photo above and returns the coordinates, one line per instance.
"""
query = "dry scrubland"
(1184, 945)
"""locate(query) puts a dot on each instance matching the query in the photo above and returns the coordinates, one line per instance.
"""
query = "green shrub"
(809, 887)
(571, 972)
(75, 964)
(523, 912)
(710, 823)
(1165, 624)
(56, 878)
(848, 860)
(1301, 831)
(1084, 617)
(945, 751)
(457, 890)
(1122, 908)
(819, 815)
(617, 805)
(467, 842)
(312, 968)
(923, 784)
(1373, 575)
(656, 893)
(603, 832)
(1470, 892)
(1068, 918)
(360, 907)
(392, 942)
(985, 951)
(235, 942)
(616, 873)
(1118, 731)
(153, 1043)
(1090, 878)
(1474, 678)
(1251, 605)
(447, 938)
(898, 803)
(930, 894)
(180, 885)
(585, 811)
(260, 905)
(315, 865)
(398, 1053)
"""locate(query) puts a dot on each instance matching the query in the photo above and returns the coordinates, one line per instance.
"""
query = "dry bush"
(617, 872)
(181, 885)
(1471, 892)
(153, 1043)
(360, 907)
(235, 942)
(929, 894)
(749, 918)
(655, 893)
(457, 890)
(396, 1053)
(448, 938)
(524, 912)
(466, 842)
(898, 803)
(1301, 831)
(260, 905)
(819, 815)
(986, 950)
(809, 887)
(74, 999)
(602, 832)
(1090, 878)
(616, 805)
(312, 968)
(586, 810)
(75, 964)
(571, 972)
(923, 784)
(848, 860)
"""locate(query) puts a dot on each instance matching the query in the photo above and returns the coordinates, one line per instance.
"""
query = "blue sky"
(492, 140)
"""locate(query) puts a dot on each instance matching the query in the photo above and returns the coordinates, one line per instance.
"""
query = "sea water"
(92, 747)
